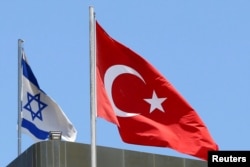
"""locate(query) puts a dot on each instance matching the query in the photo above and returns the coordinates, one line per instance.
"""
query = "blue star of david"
(35, 100)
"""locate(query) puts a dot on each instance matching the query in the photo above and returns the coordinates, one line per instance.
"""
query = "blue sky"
(202, 48)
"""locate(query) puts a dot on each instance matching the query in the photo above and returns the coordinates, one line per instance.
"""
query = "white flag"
(40, 114)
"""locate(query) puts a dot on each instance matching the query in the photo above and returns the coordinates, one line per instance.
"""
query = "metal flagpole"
(20, 42)
(92, 44)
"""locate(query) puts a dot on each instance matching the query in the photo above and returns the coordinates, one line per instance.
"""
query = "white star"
(155, 102)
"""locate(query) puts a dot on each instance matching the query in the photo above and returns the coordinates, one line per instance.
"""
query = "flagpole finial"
(20, 40)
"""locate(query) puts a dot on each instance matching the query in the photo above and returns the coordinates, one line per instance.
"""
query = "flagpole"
(20, 42)
(92, 44)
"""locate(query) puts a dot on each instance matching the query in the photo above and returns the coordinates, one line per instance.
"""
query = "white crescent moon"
(110, 76)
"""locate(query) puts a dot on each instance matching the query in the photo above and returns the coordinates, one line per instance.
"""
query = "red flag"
(146, 108)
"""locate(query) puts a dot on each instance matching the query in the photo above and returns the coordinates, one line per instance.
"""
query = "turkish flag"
(147, 109)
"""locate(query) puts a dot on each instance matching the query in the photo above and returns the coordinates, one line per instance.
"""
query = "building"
(57, 153)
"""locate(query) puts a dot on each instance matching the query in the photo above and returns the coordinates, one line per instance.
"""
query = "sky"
(201, 47)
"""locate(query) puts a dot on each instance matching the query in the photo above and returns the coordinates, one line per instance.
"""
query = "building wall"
(56, 153)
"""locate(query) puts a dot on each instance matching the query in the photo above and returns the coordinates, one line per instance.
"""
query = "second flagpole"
(92, 46)
(19, 142)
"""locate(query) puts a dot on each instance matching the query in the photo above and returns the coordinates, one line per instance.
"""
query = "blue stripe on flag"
(27, 72)
(40, 134)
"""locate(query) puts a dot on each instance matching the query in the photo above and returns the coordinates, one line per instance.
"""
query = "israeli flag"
(40, 114)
